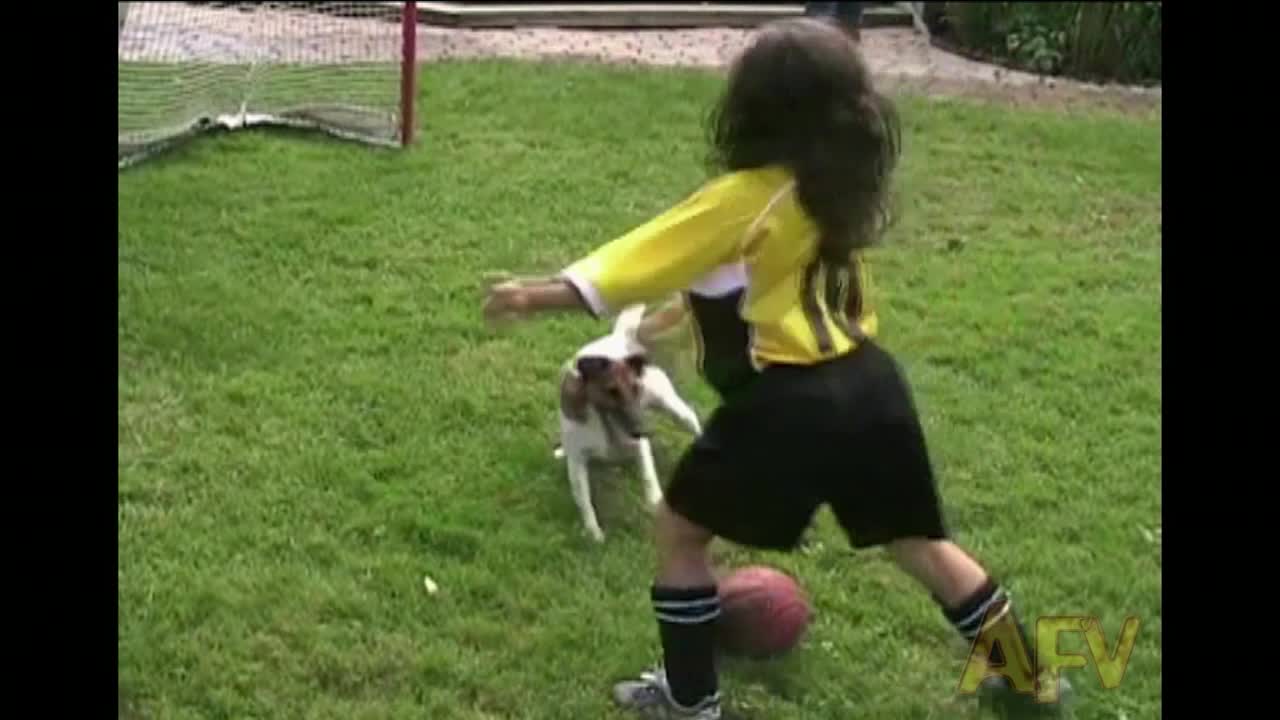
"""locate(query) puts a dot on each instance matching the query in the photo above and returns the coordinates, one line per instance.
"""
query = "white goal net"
(342, 67)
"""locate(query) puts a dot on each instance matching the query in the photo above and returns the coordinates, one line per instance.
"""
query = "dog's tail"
(628, 322)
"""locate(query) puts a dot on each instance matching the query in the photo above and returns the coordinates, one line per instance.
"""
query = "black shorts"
(844, 433)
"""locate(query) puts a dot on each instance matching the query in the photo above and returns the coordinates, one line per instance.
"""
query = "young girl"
(813, 412)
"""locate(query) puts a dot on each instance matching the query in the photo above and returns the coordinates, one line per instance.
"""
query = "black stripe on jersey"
(845, 304)
(813, 309)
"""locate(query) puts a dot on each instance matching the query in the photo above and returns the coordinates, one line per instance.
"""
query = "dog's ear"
(592, 367)
(573, 397)
(637, 363)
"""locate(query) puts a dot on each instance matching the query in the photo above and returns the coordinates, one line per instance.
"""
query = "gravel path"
(902, 58)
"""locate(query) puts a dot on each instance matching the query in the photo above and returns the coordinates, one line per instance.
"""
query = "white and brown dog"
(605, 392)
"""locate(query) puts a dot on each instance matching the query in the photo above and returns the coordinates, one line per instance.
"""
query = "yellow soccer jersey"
(737, 248)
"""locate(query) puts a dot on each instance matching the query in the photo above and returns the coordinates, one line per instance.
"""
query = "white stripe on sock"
(688, 619)
(971, 634)
(678, 604)
(978, 614)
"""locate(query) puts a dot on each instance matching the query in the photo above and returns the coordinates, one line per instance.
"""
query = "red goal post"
(346, 68)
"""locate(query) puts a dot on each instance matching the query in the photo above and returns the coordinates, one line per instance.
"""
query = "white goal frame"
(158, 104)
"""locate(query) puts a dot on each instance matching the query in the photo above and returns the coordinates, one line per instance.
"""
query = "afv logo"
(1041, 679)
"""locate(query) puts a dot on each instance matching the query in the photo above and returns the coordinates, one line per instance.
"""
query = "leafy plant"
(1092, 40)
(1037, 47)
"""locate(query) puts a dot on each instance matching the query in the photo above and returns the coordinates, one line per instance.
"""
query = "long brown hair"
(800, 96)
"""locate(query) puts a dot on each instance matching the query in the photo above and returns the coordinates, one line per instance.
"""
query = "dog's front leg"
(648, 472)
(664, 395)
(685, 414)
(580, 484)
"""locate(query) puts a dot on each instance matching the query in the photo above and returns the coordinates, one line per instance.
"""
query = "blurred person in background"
(848, 15)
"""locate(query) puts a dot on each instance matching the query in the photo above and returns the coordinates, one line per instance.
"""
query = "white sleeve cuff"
(588, 292)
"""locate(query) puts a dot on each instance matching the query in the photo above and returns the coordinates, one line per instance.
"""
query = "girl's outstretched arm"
(511, 299)
(662, 256)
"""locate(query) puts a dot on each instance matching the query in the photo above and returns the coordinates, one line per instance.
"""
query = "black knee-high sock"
(989, 603)
(686, 622)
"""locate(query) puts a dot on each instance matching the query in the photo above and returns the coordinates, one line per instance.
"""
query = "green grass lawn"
(312, 416)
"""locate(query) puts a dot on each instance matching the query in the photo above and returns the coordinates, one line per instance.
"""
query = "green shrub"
(1092, 40)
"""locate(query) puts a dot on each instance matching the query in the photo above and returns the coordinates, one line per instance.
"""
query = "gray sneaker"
(650, 697)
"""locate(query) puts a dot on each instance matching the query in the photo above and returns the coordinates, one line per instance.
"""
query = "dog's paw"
(596, 534)
(654, 500)
(691, 422)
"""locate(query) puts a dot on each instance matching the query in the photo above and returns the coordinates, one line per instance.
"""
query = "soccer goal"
(347, 68)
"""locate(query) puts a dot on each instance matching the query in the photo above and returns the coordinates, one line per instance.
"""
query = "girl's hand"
(507, 300)
(513, 298)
